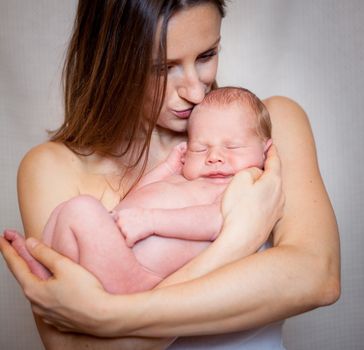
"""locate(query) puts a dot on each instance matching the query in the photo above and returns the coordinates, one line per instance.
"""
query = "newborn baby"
(174, 211)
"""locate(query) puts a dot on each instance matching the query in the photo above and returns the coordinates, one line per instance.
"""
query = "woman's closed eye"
(162, 68)
(206, 56)
(168, 66)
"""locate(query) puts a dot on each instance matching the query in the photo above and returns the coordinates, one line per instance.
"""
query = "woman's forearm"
(54, 340)
(301, 271)
(260, 289)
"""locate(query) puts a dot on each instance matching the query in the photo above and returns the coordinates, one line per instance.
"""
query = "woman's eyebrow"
(175, 61)
(216, 43)
(212, 46)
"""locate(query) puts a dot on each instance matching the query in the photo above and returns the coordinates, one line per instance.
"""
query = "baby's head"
(230, 130)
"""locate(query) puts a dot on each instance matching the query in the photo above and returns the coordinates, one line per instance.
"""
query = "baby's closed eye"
(234, 146)
(197, 148)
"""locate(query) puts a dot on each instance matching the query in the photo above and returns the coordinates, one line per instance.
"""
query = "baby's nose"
(214, 156)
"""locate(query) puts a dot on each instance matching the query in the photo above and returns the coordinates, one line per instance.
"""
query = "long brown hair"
(107, 70)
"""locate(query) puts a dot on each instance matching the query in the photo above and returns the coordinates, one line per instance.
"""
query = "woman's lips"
(183, 113)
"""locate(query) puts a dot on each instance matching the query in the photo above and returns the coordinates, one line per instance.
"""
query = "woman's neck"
(162, 142)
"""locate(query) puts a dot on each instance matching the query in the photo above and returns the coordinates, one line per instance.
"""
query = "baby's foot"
(18, 243)
(175, 159)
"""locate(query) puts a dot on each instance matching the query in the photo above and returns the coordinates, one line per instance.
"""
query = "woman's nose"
(191, 88)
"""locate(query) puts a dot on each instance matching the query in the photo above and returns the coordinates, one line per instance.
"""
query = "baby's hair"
(226, 95)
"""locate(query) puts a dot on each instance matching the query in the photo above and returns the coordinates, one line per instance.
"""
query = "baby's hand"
(176, 158)
(135, 224)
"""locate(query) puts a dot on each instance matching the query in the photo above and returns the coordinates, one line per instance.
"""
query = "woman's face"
(193, 37)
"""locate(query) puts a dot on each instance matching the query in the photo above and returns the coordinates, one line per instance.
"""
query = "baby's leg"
(18, 243)
(85, 232)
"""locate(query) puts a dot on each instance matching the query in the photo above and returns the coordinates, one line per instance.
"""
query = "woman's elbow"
(331, 291)
(328, 283)
(319, 281)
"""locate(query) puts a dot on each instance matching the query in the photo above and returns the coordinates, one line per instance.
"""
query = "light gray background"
(311, 51)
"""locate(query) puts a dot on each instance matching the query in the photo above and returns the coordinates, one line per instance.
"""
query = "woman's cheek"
(208, 70)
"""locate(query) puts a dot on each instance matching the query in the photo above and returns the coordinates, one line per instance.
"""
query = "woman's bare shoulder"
(282, 108)
(52, 155)
(286, 114)
(49, 161)
(49, 167)
(291, 128)
(48, 175)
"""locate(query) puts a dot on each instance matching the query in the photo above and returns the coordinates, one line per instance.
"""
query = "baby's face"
(221, 142)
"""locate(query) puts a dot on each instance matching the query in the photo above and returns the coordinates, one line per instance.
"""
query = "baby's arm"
(198, 223)
(172, 165)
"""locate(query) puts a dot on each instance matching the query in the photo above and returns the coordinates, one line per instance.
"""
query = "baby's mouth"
(218, 174)
(219, 177)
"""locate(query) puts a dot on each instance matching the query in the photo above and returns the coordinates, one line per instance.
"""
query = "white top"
(264, 338)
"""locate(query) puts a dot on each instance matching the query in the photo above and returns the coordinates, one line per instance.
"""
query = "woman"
(127, 104)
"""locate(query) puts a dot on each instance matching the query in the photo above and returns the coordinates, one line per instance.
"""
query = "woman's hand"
(55, 300)
(253, 203)
(251, 206)
(73, 300)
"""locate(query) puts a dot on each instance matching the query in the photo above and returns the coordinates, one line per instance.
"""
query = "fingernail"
(32, 242)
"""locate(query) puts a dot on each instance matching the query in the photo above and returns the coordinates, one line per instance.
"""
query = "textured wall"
(311, 51)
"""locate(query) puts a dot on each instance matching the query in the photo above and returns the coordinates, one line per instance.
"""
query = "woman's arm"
(49, 175)
(299, 273)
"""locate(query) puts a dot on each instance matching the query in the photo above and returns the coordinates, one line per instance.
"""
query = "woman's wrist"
(122, 315)
(236, 242)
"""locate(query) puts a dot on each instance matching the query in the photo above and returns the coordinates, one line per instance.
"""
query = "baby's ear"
(267, 145)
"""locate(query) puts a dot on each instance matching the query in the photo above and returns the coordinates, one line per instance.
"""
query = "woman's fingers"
(254, 199)
(272, 163)
(45, 255)
(54, 300)
(248, 176)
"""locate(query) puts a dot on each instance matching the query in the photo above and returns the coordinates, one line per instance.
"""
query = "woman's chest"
(108, 189)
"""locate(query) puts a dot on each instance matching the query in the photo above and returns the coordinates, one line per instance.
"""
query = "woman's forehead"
(191, 31)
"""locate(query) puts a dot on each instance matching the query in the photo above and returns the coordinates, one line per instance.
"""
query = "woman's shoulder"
(49, 160)
(50, 155)
(285, 109)
(53, 153)
(47, 176)
(289, 120)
